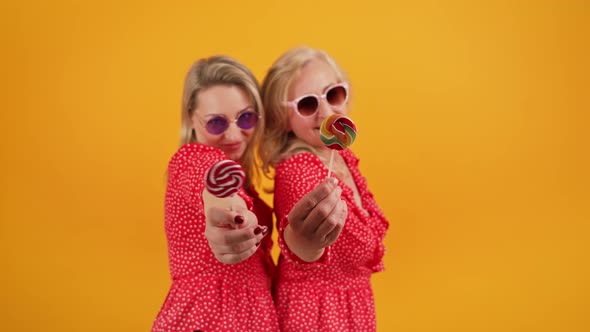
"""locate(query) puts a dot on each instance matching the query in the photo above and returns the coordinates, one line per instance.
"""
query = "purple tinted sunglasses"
(218, 124)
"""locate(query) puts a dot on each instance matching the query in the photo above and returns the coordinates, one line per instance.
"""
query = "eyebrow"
(247, 108)
(323, 89)
(329, 85)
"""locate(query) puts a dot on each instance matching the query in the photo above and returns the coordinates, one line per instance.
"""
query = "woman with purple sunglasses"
(323, 275)
(218, 248)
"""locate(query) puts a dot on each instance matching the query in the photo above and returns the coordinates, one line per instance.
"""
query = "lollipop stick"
(331, 162)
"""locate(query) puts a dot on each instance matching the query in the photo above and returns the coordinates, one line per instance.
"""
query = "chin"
(235, 156)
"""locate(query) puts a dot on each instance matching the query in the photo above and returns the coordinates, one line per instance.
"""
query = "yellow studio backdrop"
(473, 135)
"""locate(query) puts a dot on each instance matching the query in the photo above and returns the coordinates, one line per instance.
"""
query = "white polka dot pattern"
(335, 293)
(205, 294)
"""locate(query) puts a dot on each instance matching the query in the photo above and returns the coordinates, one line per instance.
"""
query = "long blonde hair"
(279, 141)
(223, 70)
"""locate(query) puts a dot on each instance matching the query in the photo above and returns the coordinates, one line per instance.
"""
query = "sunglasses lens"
(217, 125)
(247, 120)
(336, 96)
(307, 106)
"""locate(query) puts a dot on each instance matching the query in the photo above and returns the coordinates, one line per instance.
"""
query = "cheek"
(248, 134)
(342, 110)
(295, 122)
(205, 138)
(303, 123)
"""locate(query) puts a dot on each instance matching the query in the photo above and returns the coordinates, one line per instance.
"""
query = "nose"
(324, 109)
(233, 132)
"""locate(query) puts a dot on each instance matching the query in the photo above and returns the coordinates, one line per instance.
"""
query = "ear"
(193, 120)
(288, 120)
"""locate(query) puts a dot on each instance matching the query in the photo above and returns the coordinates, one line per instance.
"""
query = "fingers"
(241, 246)
(221, 217)
(236, 258)
(238, 217)
(226, 240)
(331, 226)
(234, 245)
(326, 209)
(323, 223)
(234, 240)
(301, 209)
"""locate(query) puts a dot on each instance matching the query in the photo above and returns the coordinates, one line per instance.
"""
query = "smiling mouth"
(232, 146)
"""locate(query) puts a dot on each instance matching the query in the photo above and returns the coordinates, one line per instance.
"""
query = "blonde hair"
(222, 70)
(279, 142)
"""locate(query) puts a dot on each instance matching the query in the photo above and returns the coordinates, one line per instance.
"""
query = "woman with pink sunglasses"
(218, 248)
(323, 276)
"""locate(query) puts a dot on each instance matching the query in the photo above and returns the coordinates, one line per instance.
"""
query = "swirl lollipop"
(337, 132)
(225, 178)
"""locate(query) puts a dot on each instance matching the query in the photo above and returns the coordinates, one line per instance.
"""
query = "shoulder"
(349, 157)
(303, 168)
(193, 151)
(196, 152)
(299, 161)
(194, 155)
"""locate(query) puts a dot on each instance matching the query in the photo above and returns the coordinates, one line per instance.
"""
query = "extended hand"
(233, 235)
(316, 221)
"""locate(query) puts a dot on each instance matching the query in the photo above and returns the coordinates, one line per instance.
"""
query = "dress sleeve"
(188, 168)
(187, 171)
(380, 224)
(188, 249)
(294, 178)
(376, 220)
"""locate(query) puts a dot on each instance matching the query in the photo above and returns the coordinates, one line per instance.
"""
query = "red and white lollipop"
(225, 178)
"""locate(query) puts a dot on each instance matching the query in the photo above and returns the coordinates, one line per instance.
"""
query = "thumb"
(308, 202)
(221, 217)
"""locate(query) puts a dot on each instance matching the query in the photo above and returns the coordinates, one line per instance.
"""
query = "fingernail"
(257, 230)
(334, 181)
(239, 219)
(264, 231)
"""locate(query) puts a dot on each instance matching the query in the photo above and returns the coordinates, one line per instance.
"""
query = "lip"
(231, 146)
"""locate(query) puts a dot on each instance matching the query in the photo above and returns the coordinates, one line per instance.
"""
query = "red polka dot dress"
(333, 293)
(205, 294)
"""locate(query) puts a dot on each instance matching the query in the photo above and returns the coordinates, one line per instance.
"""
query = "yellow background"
(472, 116)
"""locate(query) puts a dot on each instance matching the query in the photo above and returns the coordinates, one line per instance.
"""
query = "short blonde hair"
(279, 142)
(222, 70)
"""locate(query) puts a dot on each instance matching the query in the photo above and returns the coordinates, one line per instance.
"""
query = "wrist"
(301, 248)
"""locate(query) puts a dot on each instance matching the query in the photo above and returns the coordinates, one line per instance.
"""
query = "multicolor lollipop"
(225, 178)
(337, 132)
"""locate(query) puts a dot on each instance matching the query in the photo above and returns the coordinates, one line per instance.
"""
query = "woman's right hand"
(233, 234)
(316, 221)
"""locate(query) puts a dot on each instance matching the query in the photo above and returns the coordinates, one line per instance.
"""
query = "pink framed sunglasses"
(336, 95)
